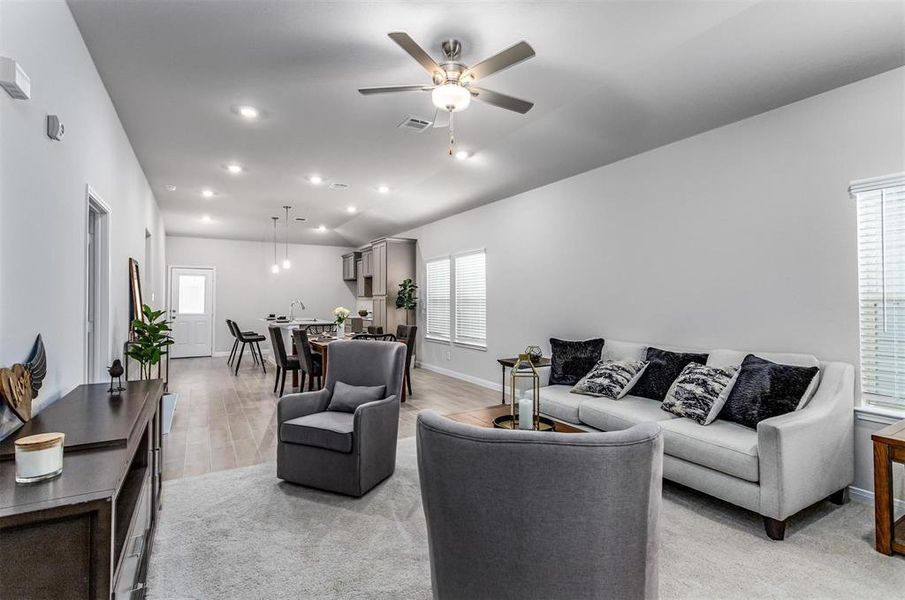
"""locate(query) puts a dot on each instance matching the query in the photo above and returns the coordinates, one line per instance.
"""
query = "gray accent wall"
(741, 237)
(43, 199)
(246, 290)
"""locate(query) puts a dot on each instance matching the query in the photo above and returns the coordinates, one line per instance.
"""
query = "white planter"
(169, 409)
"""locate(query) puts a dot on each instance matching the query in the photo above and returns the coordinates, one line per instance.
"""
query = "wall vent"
(338, 186)
(415, 124)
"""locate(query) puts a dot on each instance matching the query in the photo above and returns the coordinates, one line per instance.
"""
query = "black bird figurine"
(116, 372)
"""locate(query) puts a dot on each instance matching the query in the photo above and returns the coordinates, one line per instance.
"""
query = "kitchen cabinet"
(366, 262)
(350, 272)
(379, 315)
(379, 265)
(364, 283)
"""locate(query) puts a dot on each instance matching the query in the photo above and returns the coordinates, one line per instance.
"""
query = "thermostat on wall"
(13, 79)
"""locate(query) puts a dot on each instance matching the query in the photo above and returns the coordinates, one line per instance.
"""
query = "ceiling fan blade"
(395, 88)
(496, 63)
(501, 100)
(415, 51)
(441, 118)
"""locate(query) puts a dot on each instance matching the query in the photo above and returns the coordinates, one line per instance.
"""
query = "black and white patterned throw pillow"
(610, 379)
(700, 392)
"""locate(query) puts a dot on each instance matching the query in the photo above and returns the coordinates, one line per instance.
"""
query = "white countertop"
(298, 321)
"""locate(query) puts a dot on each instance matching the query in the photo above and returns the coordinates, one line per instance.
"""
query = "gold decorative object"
(519, 413)
(534, 353)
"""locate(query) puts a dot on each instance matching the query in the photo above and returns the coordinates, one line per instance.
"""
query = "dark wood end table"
(509, 363)
(483, 417)
(889, 447)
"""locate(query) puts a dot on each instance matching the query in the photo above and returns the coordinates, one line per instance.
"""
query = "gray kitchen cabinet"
(379, 264)
(366, 263)
(364, 283)
(350, 272)
(380, 313)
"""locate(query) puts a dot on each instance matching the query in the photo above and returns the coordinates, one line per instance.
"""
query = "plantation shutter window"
(438, 299)
(471, 299)
(881, 287)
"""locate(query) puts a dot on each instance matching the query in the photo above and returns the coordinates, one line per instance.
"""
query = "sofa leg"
(840, 497)
(776, 530)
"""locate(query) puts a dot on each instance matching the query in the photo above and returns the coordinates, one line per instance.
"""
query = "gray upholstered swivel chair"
(524, 514)
(345, 452)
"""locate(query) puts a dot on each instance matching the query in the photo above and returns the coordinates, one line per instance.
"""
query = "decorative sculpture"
(19, 384)
(534, 353)
(116, 372)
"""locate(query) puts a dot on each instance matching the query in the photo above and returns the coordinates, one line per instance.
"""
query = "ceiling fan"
(452, 86)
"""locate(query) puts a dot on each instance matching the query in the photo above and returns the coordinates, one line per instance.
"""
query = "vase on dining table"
(340, 329)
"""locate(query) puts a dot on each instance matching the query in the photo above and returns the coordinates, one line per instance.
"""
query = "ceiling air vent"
(415, 124)
(338, 186)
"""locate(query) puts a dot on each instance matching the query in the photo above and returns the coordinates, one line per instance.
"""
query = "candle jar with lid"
(39, 457)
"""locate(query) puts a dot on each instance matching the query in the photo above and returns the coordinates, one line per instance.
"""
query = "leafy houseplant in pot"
(150, 343)
(407, 298)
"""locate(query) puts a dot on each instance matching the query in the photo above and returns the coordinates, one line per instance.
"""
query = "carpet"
(242, 533)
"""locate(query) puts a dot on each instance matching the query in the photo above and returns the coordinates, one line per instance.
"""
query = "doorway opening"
(97, 286)
(192, 311)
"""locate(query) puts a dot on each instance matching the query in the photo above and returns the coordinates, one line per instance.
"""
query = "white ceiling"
(610, 80)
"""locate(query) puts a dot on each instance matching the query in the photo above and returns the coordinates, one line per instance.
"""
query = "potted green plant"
(150, 342)
(407, 298)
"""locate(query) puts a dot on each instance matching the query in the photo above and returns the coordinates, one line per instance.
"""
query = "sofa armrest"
(292, 406)
(376, 423)
(808, 454)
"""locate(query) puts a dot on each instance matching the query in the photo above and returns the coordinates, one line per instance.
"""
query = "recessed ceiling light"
(171, 187)
(383, 189)
(351, 209)
(234, 168)
(205, 218)
(207, 193)
(462, 154)
(248, 112)
(322, 228)
(316, 179)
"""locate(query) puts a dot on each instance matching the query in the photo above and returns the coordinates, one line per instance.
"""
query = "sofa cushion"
(570, 361)
(766, 389)
(346, 398)
(663, 370)
(330, 429)
(610, 379)
(559, 402)
(726, 447)
(616, 350)
(612, 415)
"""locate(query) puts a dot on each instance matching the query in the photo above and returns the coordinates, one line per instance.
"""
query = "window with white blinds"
(471, 299)
(438, 299)
(881, 284)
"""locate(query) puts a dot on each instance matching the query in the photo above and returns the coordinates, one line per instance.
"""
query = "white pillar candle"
(39, 457)
(525, 413)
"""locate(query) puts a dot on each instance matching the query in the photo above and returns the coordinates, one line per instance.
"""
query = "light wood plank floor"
(223, 421)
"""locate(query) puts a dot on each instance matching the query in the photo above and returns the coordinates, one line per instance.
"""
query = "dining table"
(321, 344)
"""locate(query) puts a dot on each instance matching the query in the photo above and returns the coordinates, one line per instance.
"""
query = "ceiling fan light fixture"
(451, 96)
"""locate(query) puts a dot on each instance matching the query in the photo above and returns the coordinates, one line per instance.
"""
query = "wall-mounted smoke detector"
(415, 124)
(14, 80)
(339, 186)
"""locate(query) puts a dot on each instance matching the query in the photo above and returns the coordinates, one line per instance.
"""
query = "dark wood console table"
(88, 532)
(889, 447)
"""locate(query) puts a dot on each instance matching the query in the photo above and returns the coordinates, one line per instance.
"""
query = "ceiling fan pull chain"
(452, 136)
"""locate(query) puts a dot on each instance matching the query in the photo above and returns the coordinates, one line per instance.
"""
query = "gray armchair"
(344, 452)
(523, 514)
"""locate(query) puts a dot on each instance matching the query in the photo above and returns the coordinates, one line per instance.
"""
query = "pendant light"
(275, 268)
(286, 263)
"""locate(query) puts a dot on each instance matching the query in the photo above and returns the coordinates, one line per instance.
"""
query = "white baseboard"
(867, 497)
(462, 376)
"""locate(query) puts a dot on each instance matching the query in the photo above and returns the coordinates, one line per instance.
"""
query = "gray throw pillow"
(346, 398)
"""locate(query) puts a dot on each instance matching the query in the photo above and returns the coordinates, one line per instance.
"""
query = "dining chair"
(231, 326)
(318, 328)
(356, 324)
(310, 363)
(375, 330)
(407, 334)
(248, 338)
(380, 337)
(283, 361)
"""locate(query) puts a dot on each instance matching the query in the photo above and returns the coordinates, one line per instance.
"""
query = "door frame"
(213, 271)
(102, 329)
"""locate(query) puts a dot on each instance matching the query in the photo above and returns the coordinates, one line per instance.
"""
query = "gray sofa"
(788, 463)
(525, 514)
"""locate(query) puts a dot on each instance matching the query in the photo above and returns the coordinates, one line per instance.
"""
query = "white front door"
(191, 311)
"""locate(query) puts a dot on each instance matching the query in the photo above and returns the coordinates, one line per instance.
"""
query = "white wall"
(42, 197)
(741, 237)
(247, 290)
